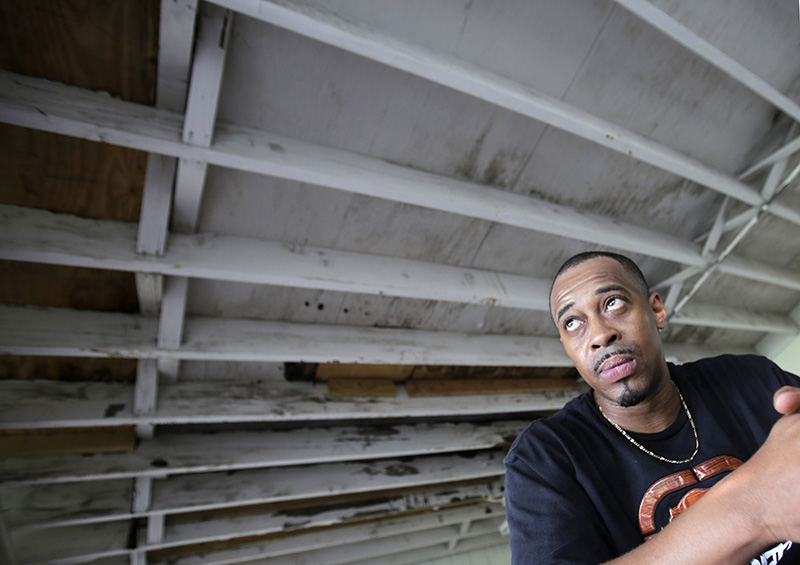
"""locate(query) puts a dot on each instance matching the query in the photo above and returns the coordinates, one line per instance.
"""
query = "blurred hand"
(787, 400)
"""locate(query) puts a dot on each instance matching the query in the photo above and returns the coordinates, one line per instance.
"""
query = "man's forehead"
(591, 276)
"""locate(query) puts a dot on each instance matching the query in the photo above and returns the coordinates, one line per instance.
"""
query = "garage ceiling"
(281, 296)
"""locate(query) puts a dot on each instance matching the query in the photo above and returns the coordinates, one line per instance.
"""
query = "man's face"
(609, 330)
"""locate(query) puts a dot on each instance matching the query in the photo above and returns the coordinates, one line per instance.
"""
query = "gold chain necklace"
(650, 453)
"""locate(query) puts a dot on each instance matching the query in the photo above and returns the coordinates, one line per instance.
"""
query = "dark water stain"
(113, 409)
(401, 470)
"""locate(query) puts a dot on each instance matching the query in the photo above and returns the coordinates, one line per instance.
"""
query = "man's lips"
(617, 367)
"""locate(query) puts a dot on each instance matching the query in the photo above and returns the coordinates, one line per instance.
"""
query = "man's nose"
(603, 334)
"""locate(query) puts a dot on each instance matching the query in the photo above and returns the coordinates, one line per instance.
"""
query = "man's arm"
(753, 508)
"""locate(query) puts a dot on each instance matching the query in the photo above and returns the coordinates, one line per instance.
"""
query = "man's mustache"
(608, 354)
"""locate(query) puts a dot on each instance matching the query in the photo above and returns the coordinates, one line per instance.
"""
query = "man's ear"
(659, 311)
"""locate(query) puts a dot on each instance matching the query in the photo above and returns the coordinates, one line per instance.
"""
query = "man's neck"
(654, 414)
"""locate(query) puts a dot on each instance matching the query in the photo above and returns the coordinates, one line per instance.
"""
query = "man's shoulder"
(726, 368)
(732, 361)
(547, 436)
(732, 380)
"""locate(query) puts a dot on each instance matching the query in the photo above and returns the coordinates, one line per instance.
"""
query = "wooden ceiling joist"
(230, 490)
(41, 236)
(76, 112)
(191, 493)
(335, 493)
(425, 554)
(29, 404)
(279, 523)
(296, 542)
(72, 544)
(70, 504)
(784, 152)
(497, 90)
(485, 518)
(166, 454)
(54, 331)
(702, 48)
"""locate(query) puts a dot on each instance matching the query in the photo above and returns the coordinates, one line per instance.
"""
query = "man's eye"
(571, 324)
(614, 304)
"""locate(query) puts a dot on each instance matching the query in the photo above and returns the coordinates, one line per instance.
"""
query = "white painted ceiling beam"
(345, 554)
(331, 540)
(227, 490)
(497, 90)
(696, 44)
(176, 37)
(7, 554)
(79, 333)
(344, 534)
(175, 42)
(226, 451)
(45, 237)
(72, 545)
(213, 32)
(37, 507)
(208, 491)
(230, 527)
(694, 314)
(82, 333)
(784, 152)
(42, 236)
(40, 104)
(210, 49)
(432, 553)
(48, 404)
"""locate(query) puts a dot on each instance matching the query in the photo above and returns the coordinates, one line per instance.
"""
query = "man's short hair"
(627, 263)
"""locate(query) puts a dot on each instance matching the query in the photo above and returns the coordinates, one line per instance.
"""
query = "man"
(624, 472)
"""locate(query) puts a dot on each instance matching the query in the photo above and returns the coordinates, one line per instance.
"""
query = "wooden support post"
(155, 528)
(716, 230)
(142, 494)
(145, 394)
(173, 308)
(142, 491)
(213, 32)
(462, 532)
(176, 37)
(6, 549)
(672, 296)
(142, 501)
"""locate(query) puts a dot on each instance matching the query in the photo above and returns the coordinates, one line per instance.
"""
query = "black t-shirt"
(579, 492)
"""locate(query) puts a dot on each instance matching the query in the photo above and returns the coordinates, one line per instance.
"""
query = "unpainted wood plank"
(74, 176)
(70, 287)
(327, 371)
(67, 440)
(109, 46)
(361, 388)
(449, 387)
